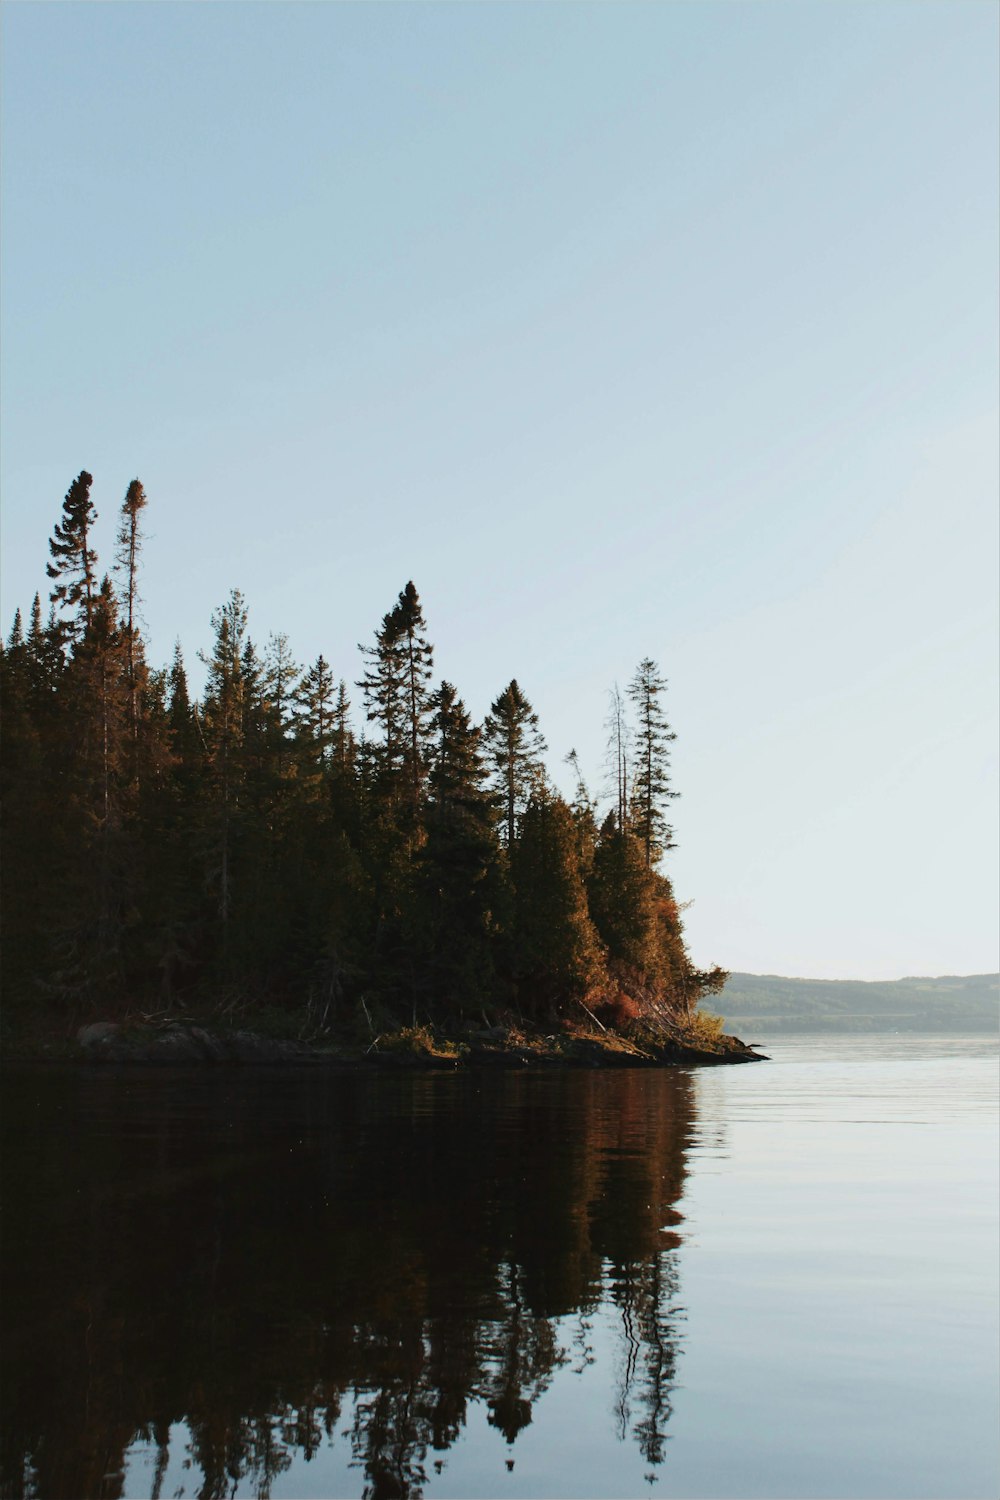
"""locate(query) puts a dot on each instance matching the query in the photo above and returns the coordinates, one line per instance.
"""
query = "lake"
(773, 1280)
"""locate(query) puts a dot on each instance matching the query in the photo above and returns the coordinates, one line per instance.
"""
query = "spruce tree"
(651, 791)
(317, 712)
(95, 872)
(398, 699)
(175, 832)
(557, 952)
(282, 675)
(461, 846)
(515, 748)
(384, 685)
(418, 656)
(44, 662)
(342, 747)
(224, 731)
(182, 727)
(622, 896)
(73, 558)
(128, 545)
(584, 809)
(30, 818)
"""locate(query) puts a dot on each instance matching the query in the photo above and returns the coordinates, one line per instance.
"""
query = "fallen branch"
(590, 1013)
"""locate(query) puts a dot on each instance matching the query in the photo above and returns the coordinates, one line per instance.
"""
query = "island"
(244, 875)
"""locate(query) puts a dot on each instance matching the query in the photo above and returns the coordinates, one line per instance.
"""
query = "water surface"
(775, 1280)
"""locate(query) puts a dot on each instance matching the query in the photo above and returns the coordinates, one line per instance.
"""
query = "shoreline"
(188, 1044)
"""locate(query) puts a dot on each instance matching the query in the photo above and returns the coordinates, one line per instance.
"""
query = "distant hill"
(951, 1003)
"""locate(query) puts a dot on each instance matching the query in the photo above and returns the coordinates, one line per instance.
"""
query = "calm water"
(750, 1281)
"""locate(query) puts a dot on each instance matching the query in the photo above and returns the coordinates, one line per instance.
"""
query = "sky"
(626, 330)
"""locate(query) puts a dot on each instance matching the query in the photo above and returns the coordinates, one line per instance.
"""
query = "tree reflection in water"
(256, 1254)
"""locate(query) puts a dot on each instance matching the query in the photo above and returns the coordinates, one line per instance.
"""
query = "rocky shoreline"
(181, 1043)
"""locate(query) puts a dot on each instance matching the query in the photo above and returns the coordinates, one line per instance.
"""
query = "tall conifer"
(557, 952)
(651, 790)
(224, 730)
(73, 558)
(317, 711)
(128, 545)
(515, 748)
(397, 694)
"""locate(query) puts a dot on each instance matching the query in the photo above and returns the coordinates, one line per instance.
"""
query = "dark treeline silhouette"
(285, 1263)
(251, 854)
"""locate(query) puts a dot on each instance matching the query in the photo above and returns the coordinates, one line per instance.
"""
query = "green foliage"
(702, 1029)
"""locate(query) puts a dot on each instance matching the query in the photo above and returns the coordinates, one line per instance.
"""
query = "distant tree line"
(251, 849)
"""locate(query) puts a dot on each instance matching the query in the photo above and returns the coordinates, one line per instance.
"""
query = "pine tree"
(30, 821)
(43, 663)
(457, 774)
(621, 893)
(417, 659)
(557, 951)
(398, 699)
(383, 685)
(224, 730)
(182, 727)
(73, 559)
(317, 711)
(282, 675)
(127, 549)
(174, 819)
(651, 791)
(515, 748)
(343, 739)
(454, 918)
(96, 869)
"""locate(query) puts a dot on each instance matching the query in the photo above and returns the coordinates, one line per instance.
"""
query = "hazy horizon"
(623, 331)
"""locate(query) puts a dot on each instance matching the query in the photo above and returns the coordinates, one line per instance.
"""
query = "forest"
(259, 855)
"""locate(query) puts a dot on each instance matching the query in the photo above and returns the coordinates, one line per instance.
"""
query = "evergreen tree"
(44, 661)
(622, 896)
(127, 549)
(651, 790)
(584, 809)
(152, 841)
(457, 775)
(224, 731)
(454, 918)
(515, 748)
(384, 688)
(73, 559)
(29, 818)
(417, 669)
(174, 821)
(95, 865)
(282, 676)
(342, 747)
(182, 726)
(557, 951)
(397, 695)
(317, 718)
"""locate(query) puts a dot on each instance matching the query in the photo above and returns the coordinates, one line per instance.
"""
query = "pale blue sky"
(621, 330)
